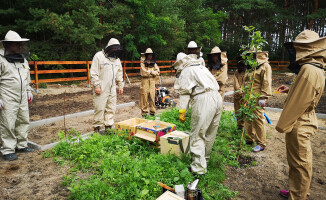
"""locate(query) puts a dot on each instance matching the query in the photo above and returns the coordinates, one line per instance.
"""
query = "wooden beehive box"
(129, 125)
(171, 143)
(147, 130)
(169, 196)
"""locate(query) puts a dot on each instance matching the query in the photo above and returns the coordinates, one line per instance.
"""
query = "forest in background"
(77, 29)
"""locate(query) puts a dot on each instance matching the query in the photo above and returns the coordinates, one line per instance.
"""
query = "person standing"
(15, 93)
(238, 82)
(218, 65)
(148, 70)
(197, 85)
(262, 84)
(106, 74)
(298, 119)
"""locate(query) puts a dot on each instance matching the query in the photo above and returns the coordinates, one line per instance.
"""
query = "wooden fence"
(164, 65)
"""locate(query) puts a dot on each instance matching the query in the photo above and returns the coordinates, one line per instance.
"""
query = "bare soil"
(32, 177)
(265, 180)
(77, 98)
(35, 177)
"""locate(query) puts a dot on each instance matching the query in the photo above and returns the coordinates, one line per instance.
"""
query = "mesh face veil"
(16, 51)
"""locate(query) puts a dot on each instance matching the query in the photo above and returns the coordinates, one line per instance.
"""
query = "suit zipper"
(112, 77)
(21, 85)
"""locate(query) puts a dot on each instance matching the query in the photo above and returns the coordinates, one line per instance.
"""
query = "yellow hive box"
(172, 143)
(169, 196)
(129, 125)
(148, 131)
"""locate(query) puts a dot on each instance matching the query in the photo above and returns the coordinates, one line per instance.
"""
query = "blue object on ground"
(268, 120)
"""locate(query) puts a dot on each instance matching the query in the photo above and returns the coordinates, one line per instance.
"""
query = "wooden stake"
(64, 113)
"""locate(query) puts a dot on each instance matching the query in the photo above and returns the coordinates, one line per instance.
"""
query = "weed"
(43, 85)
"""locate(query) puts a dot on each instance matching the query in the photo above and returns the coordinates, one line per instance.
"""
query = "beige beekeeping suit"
(106, 73)
(238, 81)
(298, 119)
(196, 83)
(14, 86)
(147, 88)
(262, 85)
(221, 74)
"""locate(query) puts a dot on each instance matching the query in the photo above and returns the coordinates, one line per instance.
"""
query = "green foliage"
(113, 167)
(172, 116)
(43, 85)
(249, 100)
(76, 30)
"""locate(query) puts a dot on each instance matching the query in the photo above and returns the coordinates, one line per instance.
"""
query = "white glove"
(261, 103)
(1, 104)
(149, 71)
(29, 96)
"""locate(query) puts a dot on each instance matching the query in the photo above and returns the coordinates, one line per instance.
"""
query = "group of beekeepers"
(200, 87)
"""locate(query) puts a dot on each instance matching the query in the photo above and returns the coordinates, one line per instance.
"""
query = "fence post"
(278, 65)
(124, 70)
(36, 76)
(88, 75)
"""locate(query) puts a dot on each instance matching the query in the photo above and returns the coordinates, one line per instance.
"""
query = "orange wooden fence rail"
(164, 65)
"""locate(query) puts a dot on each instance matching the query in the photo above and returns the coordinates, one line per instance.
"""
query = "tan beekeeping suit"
(238, 81)
(298, 119)
(221, 74)
(147, 88)
(262, 85)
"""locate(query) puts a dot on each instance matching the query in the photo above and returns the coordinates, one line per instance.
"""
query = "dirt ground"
(34, 177)
(49, 103)
(31, 177)
(49, 133)
(265, 180)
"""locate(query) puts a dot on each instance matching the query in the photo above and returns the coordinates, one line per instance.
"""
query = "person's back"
(196, 84)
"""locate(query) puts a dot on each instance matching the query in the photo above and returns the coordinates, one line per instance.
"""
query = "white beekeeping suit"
(106, 72)
(15, 92)
(196, 83)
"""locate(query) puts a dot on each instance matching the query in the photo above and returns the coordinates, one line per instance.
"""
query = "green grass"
(117, 168)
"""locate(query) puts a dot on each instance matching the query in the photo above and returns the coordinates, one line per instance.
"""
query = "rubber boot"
(97, 129)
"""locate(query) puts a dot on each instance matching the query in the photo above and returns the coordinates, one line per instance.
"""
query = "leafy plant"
(115, 167)
(249, 100)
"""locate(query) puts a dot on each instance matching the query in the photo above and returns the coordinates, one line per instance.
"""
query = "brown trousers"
(237, 105)
(221, 90)
(299, 156)
(147, 95)
(256, 128)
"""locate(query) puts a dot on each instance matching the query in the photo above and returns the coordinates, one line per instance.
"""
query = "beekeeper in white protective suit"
(106, 72)
(15, 93)
(196, 83)
(196, 50)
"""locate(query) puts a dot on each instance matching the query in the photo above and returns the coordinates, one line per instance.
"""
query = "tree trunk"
(314, 11)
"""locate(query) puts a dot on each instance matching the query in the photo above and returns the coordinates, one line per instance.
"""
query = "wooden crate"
(170, 143)
(147, 130)
(129, 125)
(169, 196)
